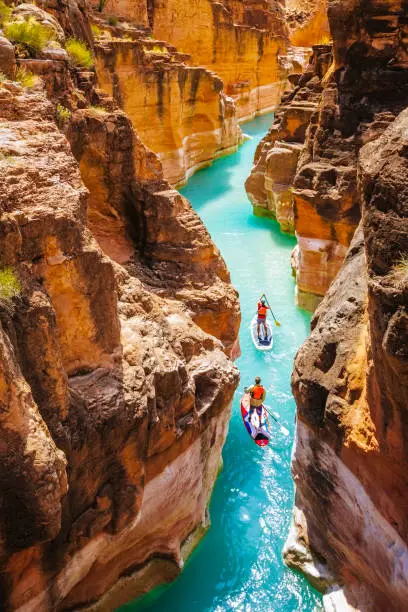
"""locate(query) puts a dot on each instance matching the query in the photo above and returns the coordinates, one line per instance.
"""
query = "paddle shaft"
(266, 299)
(274, 418)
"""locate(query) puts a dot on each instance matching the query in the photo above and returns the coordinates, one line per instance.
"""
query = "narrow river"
(238, 564)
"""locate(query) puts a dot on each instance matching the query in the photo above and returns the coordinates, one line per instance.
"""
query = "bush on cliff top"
(26, 78)
(5, 12)
(10, 286)
(30, 36)
(96, 30)
(79, 53)
(399, 272)
(62, 115)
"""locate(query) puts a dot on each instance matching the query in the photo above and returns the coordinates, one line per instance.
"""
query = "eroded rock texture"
(179, 111)
(270, 184)
(115, 377)
(350, 382)
(361, 92)
(368, 88)
(243, 42)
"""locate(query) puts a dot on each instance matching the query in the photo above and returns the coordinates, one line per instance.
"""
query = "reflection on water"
(238, 565)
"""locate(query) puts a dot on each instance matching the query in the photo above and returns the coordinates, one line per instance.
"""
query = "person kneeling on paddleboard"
(258, 394)
(261, 320)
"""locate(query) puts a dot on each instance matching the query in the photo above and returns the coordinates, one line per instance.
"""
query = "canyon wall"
(117, 324)
(242, 42)
(350, 378)
(179, 111)
(305, 169)
(270, 184)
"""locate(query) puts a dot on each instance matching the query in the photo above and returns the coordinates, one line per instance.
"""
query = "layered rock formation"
(364, 89)
(270, 184)
(115, 377)
(241, 41)
(244, 43)
(180, 111)
(350, 380)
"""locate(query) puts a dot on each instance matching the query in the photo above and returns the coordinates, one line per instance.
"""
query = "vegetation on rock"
(10, 286)
(25, 77)
(5, 12)
(96, 30)
(62, 114)
(29, 36)
(399, 272)
(79, 53)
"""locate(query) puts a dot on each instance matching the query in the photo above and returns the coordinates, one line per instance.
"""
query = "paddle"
(274, 318)
(282, 428)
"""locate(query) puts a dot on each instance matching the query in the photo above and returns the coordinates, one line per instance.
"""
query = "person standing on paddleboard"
(257, 397)
(261, 320)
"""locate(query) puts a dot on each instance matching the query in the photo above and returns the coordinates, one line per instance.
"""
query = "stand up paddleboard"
(257, 429)
(264, 344)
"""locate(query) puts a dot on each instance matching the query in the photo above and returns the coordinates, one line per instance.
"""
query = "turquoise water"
(238, 564)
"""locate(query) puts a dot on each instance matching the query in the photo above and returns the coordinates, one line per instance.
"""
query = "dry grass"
(26, 78)
(5, 12)
(399, 272)
(62, 114)
(10, 287)
(325, 40)
(96, 30)
(100, 110)
(155, 49)
(79, 53)
(30, 36)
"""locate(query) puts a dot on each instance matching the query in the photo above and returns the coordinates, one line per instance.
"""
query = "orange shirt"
(262, 310)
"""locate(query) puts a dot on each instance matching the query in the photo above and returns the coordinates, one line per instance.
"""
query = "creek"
(238, 564)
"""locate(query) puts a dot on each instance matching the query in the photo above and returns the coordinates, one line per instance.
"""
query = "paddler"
(261, 320)
(257, 397)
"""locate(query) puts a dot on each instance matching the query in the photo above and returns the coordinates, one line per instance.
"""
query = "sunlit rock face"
(270, 184)
(365, 90)
(307, 22)
(179, 111)
(115, 371)
(240, 41)
(351, 387)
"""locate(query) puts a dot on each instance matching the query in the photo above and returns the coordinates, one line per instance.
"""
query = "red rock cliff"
(350, 380)
(117, 320)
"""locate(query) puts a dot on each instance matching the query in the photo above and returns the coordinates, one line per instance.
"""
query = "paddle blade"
(284, 430)
(277, 324)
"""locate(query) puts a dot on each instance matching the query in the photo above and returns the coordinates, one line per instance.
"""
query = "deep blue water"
(238, 564)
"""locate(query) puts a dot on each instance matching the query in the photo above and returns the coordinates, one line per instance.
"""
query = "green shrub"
(10, 286)
(96, 30)
(113, 21)
(62, 114)
(399, 271)
(3, 77)
(29, 36)
(79, 53)
(99, 109)
(5, 12)
(25, 77)
(155, 49)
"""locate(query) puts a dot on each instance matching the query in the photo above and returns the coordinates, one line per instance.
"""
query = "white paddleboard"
(265, 344)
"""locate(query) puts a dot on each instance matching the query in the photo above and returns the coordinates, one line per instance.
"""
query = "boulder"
(7, 57)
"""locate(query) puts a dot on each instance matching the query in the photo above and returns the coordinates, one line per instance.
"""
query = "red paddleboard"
(259, 433)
